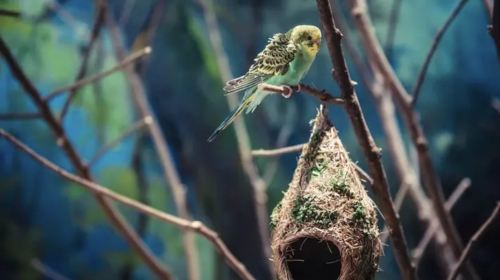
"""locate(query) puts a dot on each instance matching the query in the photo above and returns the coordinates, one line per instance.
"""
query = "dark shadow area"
(313, 259)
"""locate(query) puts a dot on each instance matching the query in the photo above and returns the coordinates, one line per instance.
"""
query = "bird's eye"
(309, 38)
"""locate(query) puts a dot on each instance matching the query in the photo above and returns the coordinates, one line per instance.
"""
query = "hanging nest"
(325, 227)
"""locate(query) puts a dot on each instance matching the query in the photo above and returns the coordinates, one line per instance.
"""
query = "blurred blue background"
(45, 218)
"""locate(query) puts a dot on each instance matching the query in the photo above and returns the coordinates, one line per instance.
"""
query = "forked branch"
(371, 151)
(93, 187)
(473, 241)
(62, 141)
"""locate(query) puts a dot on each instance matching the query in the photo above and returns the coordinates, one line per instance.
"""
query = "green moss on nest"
(305, 211)
(318, 168)
(339, 185)
(361, 219)
(274, 216)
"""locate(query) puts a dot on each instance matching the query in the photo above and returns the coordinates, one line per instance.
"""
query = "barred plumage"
(284, 61)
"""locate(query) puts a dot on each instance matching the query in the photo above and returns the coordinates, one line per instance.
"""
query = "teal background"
(47, 218)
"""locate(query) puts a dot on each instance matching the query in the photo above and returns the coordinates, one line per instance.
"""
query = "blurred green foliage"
(59, 223)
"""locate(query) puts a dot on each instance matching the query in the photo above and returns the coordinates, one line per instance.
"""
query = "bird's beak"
(317, 42)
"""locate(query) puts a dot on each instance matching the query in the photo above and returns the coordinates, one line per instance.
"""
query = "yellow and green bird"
(284, 61)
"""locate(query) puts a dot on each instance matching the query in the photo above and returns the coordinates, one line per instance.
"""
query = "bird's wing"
(273, 60)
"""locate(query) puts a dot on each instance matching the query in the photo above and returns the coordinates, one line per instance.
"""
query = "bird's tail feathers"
(244, 104)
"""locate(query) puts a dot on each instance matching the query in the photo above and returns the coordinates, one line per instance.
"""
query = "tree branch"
(9, 13)
(90, 79)
(46, 271)
(131, 130)
(407, 173)
(19, 116)
(62, 140)
(171, 176)
(371, 151)
(94, 34)
(473, 241)
(435, 43)
(287, 91)
(277, 152)
(419, 251)
(95, 188)
(259, 186)
(429, 175)
(393, 23)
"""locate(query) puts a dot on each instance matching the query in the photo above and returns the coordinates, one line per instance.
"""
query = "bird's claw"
(287, 91)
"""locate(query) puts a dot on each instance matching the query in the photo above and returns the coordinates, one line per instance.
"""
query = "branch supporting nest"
(325, 226)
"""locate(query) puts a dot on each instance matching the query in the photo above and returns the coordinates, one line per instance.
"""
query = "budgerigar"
(284, 61)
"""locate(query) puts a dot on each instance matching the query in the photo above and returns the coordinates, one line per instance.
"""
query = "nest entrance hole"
(311, 258)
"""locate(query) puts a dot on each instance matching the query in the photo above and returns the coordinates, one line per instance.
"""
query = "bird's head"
(308, 37)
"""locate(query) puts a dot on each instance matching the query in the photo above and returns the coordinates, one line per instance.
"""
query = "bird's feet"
(287, 91)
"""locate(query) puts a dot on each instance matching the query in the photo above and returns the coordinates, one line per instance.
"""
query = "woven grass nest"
(325, 227)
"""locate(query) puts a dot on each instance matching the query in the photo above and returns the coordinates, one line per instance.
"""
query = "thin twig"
(364, 175)
(172, 177)
(19, 116)
(393, 24)
(283, 136)
(412, 122)
(419, 251)
(94, 34)
(123, 64)
(474, 240)
(259, 186)
(66, 17)
(297, 148)
(9, 13)
(47, 271)
(126, 10)
(130, 131)
(277, 152)
(62, 141)
(93, 187)
(435, 43)
(398, 203)
(371, 151)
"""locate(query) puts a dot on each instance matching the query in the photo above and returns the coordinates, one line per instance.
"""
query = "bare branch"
(8, 13)
(62, 140)
(259, 186)
(278, 152)
(94, 34)
(393, 24)
(432, 50)
(46, 271)
(473, 241)
(123, 64)
(287, 91)
(364, 175)
(93, 187)
(407, 173)
(19, 116)
(131, 130)
(161, 146)
(371, 151)
(429, 174)
(419, 251)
